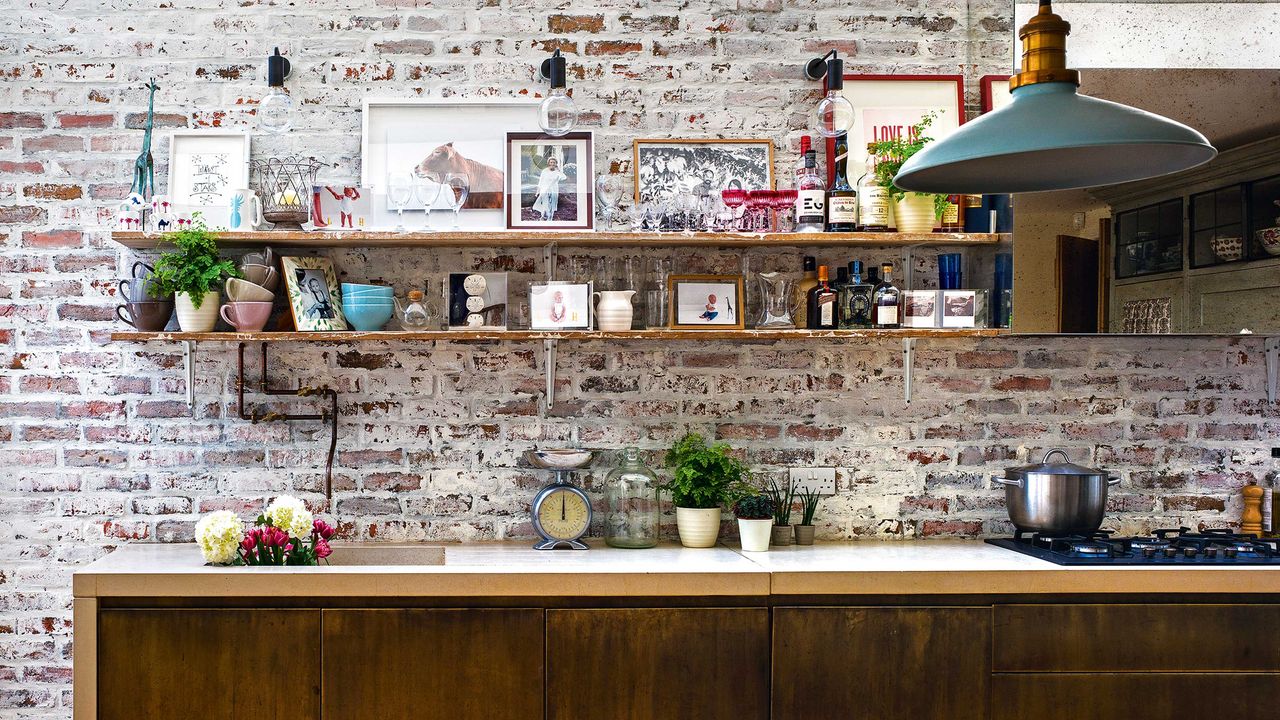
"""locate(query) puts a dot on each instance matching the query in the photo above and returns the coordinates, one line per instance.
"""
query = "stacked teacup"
(145, 307)
(251, 298)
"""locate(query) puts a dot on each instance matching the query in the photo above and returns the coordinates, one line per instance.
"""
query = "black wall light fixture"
(834, 114)
(557, 115)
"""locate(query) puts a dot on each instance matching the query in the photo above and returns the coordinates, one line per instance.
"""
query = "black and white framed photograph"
(560, 305)
(665, 169)
(206, 167)
(421, 142)
(312, 287)
(550, 181)
(705, 301)
(476, 301)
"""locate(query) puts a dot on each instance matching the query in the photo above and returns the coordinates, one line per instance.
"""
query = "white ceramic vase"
(698, 527)
(193, 319)
(914, 213)
(755, 534)
(614, 310)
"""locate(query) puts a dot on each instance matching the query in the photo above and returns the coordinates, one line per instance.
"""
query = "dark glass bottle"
(855, 300)
(842, 198)
(887, 300)
(822, 303)
(800, 291)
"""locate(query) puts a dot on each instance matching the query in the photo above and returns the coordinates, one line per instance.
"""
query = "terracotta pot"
(781, 535)
(698, 527)
(804, 534)
(914, 213)
(193, 319)
(754, 534)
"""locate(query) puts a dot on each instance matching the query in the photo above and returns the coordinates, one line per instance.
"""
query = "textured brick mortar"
(96, 444)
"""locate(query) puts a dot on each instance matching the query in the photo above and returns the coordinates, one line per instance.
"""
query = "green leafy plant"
(808, 505)
(892, 153)
(705, 476)
(781, 503)
(753, 507)
(195, 268)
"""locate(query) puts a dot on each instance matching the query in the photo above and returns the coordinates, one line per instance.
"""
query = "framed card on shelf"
(886, 106)
(550, 181)
(206, 167)
(476, 301)
(312, 287)
(995, 92)
(340, 207)
(560, 305)
(665, 169)
(705, 302)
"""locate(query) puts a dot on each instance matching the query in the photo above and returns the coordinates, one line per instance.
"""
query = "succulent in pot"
(755, 521)
(782, 500)
(193, 273)
(703, 478)
(808, 506)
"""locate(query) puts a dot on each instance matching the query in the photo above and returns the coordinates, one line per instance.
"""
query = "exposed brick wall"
(96, 444)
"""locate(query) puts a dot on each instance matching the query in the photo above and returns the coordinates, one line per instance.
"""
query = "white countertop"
(516, 570)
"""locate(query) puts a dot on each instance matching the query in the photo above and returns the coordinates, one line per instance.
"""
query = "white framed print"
(995, 92)
(206, 167)
(404, 138)
(886, 106)
(550, 181)
(560, 305)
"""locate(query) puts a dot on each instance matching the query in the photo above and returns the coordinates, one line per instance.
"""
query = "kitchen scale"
(561, 510)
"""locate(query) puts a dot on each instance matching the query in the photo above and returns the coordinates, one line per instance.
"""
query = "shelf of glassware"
(568, 239)
(527, 335)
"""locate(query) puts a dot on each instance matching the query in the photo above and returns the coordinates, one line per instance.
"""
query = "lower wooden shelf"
(518, 335)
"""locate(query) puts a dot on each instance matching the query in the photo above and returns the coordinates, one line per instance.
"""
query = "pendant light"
(1049, 137)
(275, 110)
(834, 114)
(557, 114)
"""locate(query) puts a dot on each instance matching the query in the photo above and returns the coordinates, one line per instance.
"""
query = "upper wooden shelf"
(517, 335)
(486, 239)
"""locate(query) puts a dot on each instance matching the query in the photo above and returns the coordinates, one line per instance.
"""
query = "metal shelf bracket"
(189, 365)
(908, 360)
(549, 363)
(1271, 349)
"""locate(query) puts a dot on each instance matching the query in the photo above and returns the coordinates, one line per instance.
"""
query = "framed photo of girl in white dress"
(550, 181)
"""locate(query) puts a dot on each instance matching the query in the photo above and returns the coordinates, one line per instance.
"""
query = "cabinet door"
(1133, 696)
(161, 664)
(429, 664)
(658, 664)
(881, 662)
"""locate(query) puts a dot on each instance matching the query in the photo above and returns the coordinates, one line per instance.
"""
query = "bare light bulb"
(557, 114)
(275, 112)
(834, 116)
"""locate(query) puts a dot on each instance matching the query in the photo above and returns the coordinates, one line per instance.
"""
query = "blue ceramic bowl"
(367, 317)
(358, 289)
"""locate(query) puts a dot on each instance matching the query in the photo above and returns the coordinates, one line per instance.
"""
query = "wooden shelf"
(490, 239)
(518, 335)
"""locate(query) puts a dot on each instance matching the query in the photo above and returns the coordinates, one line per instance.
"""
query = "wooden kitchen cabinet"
(433, 664)
(658, 664)
(161, 664)
(881, 662)
(1133, 696)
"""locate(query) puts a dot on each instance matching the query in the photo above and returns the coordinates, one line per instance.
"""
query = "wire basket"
(285, 185)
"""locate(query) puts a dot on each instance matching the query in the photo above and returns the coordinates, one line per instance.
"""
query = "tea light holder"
(285, 185)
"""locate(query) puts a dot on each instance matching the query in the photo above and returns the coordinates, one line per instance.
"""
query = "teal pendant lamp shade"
(1050, 137)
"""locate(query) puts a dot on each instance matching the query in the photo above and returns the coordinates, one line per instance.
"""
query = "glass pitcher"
(634, 515)
(775, 301)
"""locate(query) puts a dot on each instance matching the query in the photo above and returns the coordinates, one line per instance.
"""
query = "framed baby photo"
(312, 287)
(560, 305)
(550, 181)
(340, 207)
(705, 302)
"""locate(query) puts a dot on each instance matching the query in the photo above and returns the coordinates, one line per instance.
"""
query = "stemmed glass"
(609, 190)
(400, 190)
(426, 188)
(459, 188)
(734, 198)
(785, 204)
(758, 203)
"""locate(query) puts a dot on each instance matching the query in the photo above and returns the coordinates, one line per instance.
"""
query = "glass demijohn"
(634, 513)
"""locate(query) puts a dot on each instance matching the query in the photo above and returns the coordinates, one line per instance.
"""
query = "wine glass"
(734, 198)
(609, 190)
(400, 190)
(759, 202)
(426, 188)
(786, 207)
(459, 188)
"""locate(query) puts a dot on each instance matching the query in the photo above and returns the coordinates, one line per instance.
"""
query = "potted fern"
(781, 534)
(808, 506)
(704, 477)
(914, 212)
(193, 273)
(755, 520)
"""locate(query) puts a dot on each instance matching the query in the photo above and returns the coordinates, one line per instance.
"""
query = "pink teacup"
(246, 316)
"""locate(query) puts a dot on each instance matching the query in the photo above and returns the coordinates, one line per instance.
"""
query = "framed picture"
(205, 167)
(476, 301)
(995, 92)
(340, 207)
(886, 106)
(550, 181)
(705, 301)
(667, 168)
(457, 136)
(312, 287)
(560, 305)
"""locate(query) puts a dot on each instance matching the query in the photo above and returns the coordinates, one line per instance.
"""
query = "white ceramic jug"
(613, 309)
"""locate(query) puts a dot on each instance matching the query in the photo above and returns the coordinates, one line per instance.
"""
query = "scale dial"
(561, 514)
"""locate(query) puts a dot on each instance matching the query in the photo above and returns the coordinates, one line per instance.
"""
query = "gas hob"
(1179, 546)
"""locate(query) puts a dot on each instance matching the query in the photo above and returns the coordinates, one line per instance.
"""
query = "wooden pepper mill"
(1251, 518)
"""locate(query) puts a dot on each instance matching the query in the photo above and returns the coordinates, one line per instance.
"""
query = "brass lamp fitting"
(1044, 50)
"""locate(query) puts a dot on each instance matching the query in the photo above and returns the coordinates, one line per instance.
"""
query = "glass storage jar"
(634, 514)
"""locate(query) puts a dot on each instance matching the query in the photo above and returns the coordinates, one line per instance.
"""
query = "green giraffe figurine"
(144, 169)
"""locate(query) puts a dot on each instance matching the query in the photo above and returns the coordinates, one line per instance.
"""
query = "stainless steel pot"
(1056, 498)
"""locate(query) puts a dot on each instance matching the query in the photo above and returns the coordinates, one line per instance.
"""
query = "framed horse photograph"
(422, 142)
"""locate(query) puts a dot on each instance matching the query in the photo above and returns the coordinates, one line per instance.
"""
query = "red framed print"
(995, 92)
(884, 106)
(550, 182)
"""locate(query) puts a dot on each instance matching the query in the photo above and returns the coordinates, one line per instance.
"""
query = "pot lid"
(1066, 467)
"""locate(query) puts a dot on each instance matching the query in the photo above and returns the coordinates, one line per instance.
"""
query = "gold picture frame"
(710, 160)
(705, 304)
(314, 308)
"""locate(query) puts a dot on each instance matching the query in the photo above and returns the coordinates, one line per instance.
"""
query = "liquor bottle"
(873, 200)
(822, 303)
(811, 198)
(842, 199)
(951, 216)
(800, 293)
(855, 300)
(887, 300)
(806, 144)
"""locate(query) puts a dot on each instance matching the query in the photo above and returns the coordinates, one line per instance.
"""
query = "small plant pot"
(197, 319)
(755, 534)
(804, 534)
(915, 213)
(698, 527)
(781, 535)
